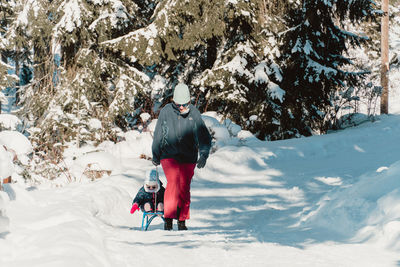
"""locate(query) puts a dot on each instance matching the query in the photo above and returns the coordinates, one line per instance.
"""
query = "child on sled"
(150, 197)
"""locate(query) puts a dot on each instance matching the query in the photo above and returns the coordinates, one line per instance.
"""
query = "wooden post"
(385, 58)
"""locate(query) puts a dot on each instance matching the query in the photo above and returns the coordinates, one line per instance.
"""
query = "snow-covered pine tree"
(313, 59)
(20, 47)
(395, 54)
(109, 82)
(214, 47)
(75, 80)
(7, 79)
(353, 100)
(241, 83)
(365, 99)
(178, 42)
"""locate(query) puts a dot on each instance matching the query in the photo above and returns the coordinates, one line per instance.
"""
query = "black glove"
(155, 162)
(201, 162)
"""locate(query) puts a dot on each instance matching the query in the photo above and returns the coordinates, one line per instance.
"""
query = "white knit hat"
(181, 94)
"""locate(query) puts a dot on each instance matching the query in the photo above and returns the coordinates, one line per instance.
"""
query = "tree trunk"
(385, 58)
(17, 69)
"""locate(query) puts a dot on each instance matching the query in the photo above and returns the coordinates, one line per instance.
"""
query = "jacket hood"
(152, 179)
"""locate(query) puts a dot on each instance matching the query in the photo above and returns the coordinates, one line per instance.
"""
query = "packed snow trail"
(90, 225)
(260, 204)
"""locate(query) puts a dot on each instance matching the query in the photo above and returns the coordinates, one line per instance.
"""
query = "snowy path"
(70, 226)
(253, 205)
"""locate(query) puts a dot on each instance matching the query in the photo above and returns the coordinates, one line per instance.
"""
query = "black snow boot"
(168, 224)
(181, 225)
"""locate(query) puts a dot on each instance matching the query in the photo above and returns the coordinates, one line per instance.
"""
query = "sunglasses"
(151, 187)
(182, 105)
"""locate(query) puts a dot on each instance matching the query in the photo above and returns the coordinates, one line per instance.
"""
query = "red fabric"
(177, 193)
(134, 208)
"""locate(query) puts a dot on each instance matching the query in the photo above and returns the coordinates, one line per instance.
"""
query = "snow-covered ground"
(331, 200)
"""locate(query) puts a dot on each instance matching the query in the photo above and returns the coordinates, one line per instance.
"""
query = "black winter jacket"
(180, 136)
(143, 197)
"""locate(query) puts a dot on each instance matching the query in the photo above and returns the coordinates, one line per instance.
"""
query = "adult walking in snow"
(179, 137)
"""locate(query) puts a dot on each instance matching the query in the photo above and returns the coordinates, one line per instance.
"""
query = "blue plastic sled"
(148, 218)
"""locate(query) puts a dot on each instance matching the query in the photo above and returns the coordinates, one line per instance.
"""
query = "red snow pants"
(177, 193)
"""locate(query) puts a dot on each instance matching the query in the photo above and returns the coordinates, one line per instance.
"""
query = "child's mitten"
(134, 208)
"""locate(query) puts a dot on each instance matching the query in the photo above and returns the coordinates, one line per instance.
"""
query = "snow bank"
(12, 144)
(18, 143)
(370, 208)
(6, 165)
(9, 122)
(381, 192)
(224, 132)
(94, 165)
(65, 233)
(137, 144)
(6, 170)
(110, 156)
(4, 221)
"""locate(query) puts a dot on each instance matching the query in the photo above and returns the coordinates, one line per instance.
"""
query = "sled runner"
(148, 218)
